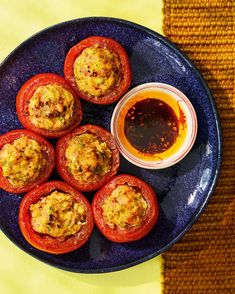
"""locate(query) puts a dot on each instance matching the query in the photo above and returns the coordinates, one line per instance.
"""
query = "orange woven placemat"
(204, 260)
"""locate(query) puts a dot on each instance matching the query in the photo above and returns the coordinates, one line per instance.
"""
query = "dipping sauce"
(151, 126)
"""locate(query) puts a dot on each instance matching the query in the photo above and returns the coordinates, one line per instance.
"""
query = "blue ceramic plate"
(183, 190)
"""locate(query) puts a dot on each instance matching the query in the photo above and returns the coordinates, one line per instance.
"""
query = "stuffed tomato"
(26, 160)
(48, 105)
(99, 69)
(55, 218)
(87, 158)
(125, 209)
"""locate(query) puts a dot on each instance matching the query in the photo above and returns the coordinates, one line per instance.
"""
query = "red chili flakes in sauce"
(151, 126)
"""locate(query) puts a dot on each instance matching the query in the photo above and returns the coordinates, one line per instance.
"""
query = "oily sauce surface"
(151, 126)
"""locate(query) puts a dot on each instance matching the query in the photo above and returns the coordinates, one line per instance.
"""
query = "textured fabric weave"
(204, 260)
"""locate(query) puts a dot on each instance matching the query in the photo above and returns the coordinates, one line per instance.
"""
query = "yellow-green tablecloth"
(19, 272)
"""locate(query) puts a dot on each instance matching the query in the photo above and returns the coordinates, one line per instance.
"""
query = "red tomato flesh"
(45, 242)
(25, 94)
(133, 233)
(113, 46)
(63, 170)
(47, 150)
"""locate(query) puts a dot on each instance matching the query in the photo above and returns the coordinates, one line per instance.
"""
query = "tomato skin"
(48, 243)
(48, 151)
(130, 234)
(27, 91)
(118, 91)
(61, 159)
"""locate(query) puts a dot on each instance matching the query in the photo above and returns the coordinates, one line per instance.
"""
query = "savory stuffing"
(22, 161)
(57, 215)
(51, 107)
(97, 71)
(88, 157)
(124, 208)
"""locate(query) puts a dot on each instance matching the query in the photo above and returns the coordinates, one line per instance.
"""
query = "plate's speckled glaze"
(183, 190)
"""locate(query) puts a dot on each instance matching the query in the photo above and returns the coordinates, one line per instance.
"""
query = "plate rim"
(178, 52)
